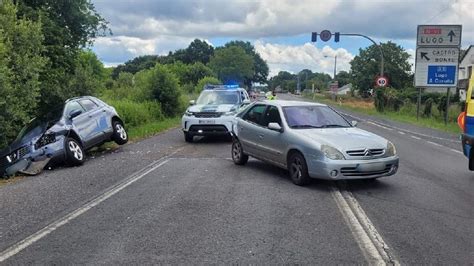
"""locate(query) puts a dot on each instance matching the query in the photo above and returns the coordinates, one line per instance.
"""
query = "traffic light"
(336, 37)
(314, 36)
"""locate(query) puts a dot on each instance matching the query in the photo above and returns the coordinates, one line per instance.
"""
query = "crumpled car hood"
(33, 134)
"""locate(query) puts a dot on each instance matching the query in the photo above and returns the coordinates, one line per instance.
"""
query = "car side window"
(88, 104)
(72, 106)
(272, 115)
(255, 114)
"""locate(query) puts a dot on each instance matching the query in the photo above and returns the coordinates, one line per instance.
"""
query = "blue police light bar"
(231, 86)
(214, 87)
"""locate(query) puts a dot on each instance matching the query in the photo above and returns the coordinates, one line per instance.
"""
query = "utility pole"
(335, 66)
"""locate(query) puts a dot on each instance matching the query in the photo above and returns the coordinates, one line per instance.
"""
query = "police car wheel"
(188, 137)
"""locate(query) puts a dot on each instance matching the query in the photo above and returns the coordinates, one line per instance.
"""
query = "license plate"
(207, 121)
(371, 167)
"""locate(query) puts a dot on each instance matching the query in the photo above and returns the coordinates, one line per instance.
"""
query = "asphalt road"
(162, 200)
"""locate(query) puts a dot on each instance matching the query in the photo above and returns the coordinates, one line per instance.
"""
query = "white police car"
(213, 112)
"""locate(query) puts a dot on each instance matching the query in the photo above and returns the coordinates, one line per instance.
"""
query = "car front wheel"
(238, 155)
(74, 153)
(120, 135)
(298, 169)
(188, 137)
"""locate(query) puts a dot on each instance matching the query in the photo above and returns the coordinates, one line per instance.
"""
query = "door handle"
(261, 136)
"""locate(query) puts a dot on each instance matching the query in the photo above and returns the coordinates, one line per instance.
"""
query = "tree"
(366, 66)
(135, 65)
(163, 86)
(260, 66)
(232, 64)
(343, 78)
(197, 51)
(89, 75)
(67, 26)
(20, 66)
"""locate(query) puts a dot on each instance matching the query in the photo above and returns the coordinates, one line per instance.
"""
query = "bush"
(162, 85)
(135, 114)
(379, 100)
(206, 80)
(427, 110)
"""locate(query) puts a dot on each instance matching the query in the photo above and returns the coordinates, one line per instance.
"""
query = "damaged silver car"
(63, 135)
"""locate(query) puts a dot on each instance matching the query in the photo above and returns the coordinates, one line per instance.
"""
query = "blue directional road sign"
(441, 75)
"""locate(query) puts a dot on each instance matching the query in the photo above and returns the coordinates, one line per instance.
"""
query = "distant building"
(344, 90)
(466, 64)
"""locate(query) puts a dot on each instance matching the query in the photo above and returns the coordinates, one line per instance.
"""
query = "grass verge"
(406, 116)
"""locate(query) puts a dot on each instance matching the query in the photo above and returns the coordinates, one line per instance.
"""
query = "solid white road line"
(370, 242)
(11, 251)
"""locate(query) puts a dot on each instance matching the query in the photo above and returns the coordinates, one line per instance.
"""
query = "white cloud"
(306, 56)
(123, 48)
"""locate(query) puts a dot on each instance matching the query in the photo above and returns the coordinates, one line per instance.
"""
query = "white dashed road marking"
(11, 251)
(415, 137)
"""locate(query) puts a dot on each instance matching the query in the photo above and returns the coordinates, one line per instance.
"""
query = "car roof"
(78, 98)
(291, 103)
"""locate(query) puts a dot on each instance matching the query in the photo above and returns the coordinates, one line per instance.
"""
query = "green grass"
(407, 114)
(153, 128)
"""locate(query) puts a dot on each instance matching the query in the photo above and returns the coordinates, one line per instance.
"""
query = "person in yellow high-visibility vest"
(272, 96)
(466, 122)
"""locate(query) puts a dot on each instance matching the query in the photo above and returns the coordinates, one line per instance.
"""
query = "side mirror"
(74, 113)
(354, 123)
(192, 102)
(275, 126)
(246, 102)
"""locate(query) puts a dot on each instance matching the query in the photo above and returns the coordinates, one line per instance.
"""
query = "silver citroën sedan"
(311, 140)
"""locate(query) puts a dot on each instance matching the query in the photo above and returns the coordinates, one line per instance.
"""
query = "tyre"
(238, 155)
(75, 154)
(298, 169)
(120, 135)
(188, 137)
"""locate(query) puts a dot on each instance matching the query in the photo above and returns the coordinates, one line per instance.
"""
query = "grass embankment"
(406, 114)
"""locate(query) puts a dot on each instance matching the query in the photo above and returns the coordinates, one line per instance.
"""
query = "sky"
(280, 30)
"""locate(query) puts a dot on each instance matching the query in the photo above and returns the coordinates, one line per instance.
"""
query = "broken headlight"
(46, 139)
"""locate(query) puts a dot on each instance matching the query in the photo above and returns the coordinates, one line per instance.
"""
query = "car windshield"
(218, 97)
(313, 117)
(39, 123)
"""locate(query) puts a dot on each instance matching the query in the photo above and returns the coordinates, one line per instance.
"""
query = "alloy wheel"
(76, 150)
(121, 131)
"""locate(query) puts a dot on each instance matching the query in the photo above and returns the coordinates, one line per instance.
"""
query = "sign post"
(437, 59)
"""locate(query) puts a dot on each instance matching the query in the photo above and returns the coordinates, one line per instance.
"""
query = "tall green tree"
(343, 78)
(260, 66)
(21, 64)
(197, 51)
(232, 64)
(366, 66)
(67, 26)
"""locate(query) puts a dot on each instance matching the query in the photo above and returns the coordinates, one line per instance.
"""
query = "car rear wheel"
(238, 155)
(74, 153)
(120, 135)
(188, 137)
(298, 169)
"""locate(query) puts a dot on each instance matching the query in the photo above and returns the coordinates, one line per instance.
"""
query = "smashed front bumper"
(34, 161)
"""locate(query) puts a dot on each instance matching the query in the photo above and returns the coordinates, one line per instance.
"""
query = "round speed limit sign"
(381, 81)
